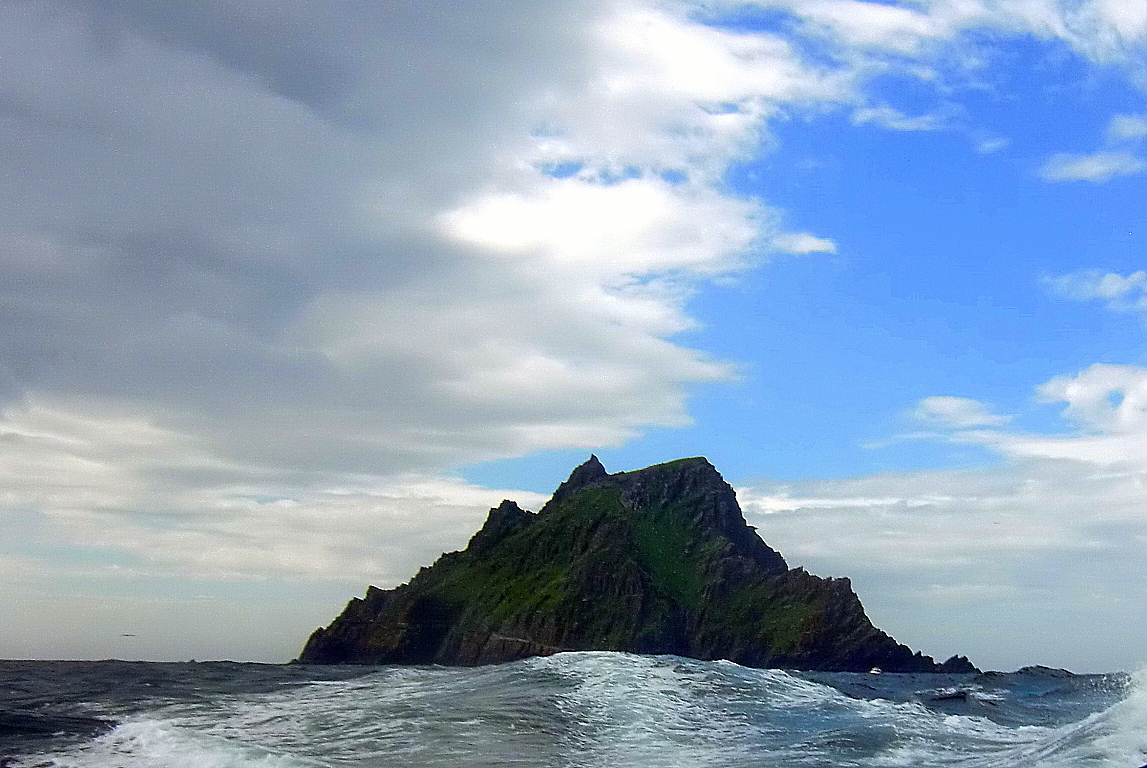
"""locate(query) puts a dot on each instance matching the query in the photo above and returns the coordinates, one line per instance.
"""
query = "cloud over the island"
(263, 260)
(265, 234)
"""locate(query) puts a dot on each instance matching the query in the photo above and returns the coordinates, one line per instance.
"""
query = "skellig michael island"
(657, 561)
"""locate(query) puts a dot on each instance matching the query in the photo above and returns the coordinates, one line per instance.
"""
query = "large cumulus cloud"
(262, 260)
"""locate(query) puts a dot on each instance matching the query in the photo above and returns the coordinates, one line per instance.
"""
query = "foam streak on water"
(595, 710)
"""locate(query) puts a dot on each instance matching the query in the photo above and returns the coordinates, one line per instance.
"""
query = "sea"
(571, 710)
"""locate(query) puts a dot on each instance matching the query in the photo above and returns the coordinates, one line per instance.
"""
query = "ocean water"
(572, 710)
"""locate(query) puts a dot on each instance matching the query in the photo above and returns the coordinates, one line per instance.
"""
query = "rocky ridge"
(659, 560)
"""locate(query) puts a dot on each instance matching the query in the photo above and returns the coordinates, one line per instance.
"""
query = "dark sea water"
(573, 710)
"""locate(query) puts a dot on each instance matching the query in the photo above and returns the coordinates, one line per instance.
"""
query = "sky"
(292, 293)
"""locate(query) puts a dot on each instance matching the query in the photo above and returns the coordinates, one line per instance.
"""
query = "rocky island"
(657, 561)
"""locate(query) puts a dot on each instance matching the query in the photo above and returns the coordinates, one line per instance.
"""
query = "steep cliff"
(654, 561)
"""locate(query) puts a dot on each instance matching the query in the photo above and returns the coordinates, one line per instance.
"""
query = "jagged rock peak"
(503, 520)
(583, 475)
(958, 665)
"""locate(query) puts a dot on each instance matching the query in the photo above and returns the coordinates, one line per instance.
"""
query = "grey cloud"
(225, 278)
(264, 41)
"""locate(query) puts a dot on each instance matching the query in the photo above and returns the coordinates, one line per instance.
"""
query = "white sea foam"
(629, 710)
(1113, 738)
(607, 710)
(165, 744)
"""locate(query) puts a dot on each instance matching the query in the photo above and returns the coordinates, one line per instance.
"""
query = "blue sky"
(938, 284)
(294, 293)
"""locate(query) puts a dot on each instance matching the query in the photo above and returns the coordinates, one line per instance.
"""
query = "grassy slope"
(583, 559)
(590, 572)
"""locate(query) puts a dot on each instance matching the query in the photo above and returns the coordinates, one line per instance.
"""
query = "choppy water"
(573, 710)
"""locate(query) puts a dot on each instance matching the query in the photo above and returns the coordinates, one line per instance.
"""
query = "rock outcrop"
(654, 561)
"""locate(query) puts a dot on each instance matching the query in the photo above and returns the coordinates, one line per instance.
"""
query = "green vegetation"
(654, 561)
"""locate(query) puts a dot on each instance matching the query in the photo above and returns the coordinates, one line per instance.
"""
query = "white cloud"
(803, 243)
(1098, 167)
(957, 412)
(1128, 21)
(1121, 293)
(637, 226)
(888, 117)
(1127, 128)
(668, 93)
(1103, 398)
(972, 561)
(1106, 405)
(995, 144)
(1118, 157)
(1056, 526)
(119, 485)
(1107, 31)
(873, 24)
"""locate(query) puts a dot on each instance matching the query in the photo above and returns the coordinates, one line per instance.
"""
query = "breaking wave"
(603, 710)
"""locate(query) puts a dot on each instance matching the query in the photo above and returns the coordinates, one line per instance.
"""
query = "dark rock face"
(957, 665)
(654, 561)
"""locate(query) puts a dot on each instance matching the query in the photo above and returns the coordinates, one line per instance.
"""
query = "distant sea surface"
(573, 710)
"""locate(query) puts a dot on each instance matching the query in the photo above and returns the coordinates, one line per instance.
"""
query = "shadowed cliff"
(654, 561)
